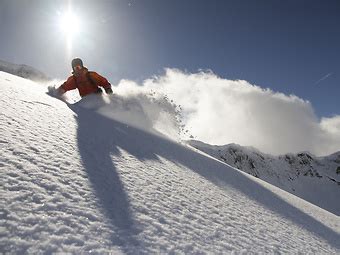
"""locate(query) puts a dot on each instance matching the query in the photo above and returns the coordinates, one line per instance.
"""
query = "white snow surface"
(76, 180)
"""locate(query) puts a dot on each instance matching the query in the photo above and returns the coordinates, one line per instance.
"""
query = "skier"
(87, 82)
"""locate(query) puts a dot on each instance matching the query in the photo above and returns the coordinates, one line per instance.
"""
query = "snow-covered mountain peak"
(315, 179)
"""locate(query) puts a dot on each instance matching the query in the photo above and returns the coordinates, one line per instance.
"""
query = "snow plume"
(221, 111)
(133, 105)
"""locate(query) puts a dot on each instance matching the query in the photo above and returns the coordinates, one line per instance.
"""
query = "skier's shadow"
(97, 144)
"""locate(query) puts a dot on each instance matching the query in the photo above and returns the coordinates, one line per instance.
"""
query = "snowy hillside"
(74, 179)
(315, 179)
(24, 71)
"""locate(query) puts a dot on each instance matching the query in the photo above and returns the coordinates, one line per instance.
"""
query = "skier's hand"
(55, 92)
(108, 91)
(52, 91)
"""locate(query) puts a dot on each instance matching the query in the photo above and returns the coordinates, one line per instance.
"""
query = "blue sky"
(290, 46)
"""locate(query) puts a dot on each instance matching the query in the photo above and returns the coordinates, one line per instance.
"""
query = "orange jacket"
(86, 82)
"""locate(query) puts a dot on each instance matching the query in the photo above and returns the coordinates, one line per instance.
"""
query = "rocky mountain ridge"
(302, 174)
(23, 71)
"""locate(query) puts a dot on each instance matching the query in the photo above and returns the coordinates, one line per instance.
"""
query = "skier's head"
(77, 63)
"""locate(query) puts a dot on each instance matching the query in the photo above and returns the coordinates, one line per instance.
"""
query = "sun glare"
(69, 23)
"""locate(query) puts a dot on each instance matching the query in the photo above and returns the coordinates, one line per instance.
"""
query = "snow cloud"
(221, 111)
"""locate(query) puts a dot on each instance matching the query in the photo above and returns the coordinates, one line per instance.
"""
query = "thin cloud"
(323, 78)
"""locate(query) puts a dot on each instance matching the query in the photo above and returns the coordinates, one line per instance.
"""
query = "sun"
(69, 27)
(69, 23)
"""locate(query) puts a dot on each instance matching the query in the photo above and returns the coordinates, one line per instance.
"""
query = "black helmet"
(77, 62)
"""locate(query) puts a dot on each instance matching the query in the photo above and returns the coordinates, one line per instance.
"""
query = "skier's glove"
(108, 91)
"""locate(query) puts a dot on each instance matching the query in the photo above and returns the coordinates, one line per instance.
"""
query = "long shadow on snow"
(94, 140)
(96, 145)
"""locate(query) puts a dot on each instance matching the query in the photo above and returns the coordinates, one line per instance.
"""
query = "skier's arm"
(60, 90)
(67, 85)
(103, 82)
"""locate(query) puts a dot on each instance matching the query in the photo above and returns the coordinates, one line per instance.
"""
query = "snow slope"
(74, 180)
(315, 179)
